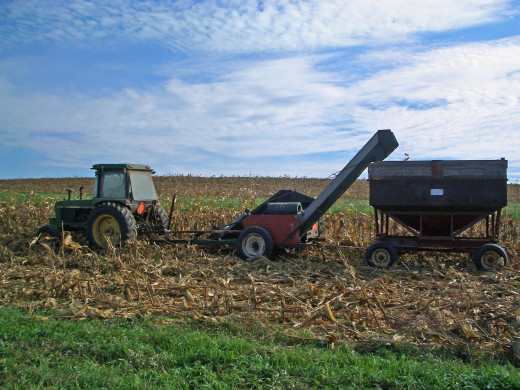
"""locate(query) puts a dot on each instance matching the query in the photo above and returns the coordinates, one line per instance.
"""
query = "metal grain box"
(463, 185)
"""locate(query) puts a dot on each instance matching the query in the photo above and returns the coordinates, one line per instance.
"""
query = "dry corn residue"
(325, 293)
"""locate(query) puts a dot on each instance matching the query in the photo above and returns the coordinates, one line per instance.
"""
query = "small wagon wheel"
(381, 255)
(254, 242)
(490, 257)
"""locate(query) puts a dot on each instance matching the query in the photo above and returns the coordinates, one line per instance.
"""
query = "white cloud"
(242, 26)
(265, 109)
(442, 102)
(460, 102)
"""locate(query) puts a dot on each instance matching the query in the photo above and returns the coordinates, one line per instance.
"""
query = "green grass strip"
(41, 352)
(349, 207)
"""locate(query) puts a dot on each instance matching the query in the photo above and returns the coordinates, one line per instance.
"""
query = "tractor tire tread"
(121, 214)
(162, 218)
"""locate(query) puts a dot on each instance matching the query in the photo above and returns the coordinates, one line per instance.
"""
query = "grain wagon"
(451, 206)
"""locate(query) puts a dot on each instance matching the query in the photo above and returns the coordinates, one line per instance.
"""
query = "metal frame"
(450, 242)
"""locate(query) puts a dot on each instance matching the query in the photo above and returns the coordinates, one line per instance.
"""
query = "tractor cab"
(129, 184)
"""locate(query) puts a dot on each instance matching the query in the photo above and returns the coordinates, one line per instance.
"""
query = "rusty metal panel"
(440, 169)
(438, 224)
(454, 186)
(278, 226)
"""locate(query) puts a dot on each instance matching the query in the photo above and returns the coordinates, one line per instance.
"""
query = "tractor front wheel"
(254, 242)
(49, 235)
(110, 224)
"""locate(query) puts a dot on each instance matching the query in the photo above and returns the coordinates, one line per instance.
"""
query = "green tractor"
(124, 204)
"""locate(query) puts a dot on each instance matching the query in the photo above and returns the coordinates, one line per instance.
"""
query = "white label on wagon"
(437, 192)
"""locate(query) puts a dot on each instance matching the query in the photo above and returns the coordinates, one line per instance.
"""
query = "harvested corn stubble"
(326, 292)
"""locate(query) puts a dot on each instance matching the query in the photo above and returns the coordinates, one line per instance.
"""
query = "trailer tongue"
(289, 218)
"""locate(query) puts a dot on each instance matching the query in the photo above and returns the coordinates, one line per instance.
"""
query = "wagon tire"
(254, 242)
(110, 223)
(490, 257)
(49, 235)
(381, 255)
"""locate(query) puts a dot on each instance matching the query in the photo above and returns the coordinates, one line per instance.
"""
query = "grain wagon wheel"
(254, 242)
(381, 255)
(490, 257)
(49, 235)
(110, 223)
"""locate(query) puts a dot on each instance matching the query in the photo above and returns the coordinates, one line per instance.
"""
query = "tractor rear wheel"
(110, 224)
(254, 242)
(160, 218)
(49, 235)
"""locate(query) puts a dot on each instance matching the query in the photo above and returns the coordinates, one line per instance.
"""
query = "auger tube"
(379, 147)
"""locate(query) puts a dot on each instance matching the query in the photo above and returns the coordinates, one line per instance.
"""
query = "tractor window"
(142, 185)
(114, 185)
(96, 187)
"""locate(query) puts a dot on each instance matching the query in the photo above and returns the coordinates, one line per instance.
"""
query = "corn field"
(325, 293)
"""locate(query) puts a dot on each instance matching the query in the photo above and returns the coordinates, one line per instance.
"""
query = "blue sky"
(282, 87)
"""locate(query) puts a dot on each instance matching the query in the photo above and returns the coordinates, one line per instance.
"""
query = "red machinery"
(289, 218)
